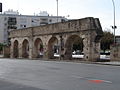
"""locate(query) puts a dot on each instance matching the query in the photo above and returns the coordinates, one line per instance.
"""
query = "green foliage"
(1, 46)
(41, 47)
(78, 46)
(106, 40)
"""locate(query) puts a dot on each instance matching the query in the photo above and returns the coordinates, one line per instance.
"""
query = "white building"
(117, 39)
(13, 20)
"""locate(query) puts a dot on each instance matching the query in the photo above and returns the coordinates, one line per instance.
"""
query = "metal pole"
(57, 10)
(114, 27)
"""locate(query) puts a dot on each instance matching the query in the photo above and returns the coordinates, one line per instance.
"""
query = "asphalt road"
(51, 75)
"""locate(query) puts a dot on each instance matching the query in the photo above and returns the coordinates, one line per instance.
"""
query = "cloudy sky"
(102, 9)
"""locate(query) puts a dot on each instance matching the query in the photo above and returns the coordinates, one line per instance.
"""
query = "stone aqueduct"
(29, 42)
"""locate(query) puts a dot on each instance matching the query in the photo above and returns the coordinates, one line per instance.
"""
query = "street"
(20, 74)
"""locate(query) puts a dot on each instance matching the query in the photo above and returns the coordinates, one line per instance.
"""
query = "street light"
(114, 27)
(57, 10)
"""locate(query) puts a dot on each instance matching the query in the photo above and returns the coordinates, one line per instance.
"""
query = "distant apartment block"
(13, 20)
(117, 38)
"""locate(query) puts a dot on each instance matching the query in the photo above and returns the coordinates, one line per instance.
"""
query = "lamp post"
(114, 27)
(57, 10)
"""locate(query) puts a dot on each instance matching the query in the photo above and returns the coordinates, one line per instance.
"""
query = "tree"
(107, 40)
(1, 47)
(78, 45)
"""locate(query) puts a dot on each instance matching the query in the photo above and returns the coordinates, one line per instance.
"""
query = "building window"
(21, 25)
(62, 20)
(12, 27)
(24, 25)
(5, 18)
(5, 24)
(50, 20)
(12, 21)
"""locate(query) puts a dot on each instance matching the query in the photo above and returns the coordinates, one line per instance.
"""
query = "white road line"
(107, 81)
(74, 76)
(86, 78)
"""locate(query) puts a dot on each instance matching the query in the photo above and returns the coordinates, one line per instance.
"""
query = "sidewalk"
(114, 63)
(1, 56)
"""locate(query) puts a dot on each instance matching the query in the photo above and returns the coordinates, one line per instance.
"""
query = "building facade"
(117, 38)
(10, 20)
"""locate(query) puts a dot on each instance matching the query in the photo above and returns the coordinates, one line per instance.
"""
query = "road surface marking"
(96, 81)
(91, 79)
(99, 81)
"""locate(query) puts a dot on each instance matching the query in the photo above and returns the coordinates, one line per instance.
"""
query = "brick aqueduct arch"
(43, 41)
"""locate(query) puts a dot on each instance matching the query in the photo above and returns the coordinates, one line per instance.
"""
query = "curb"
(106, 64)
(86, 62)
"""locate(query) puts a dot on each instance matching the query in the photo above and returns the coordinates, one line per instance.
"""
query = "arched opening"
(25, 49)
(15, 49)
(74, 47)
(38, 48)
(53, 47)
